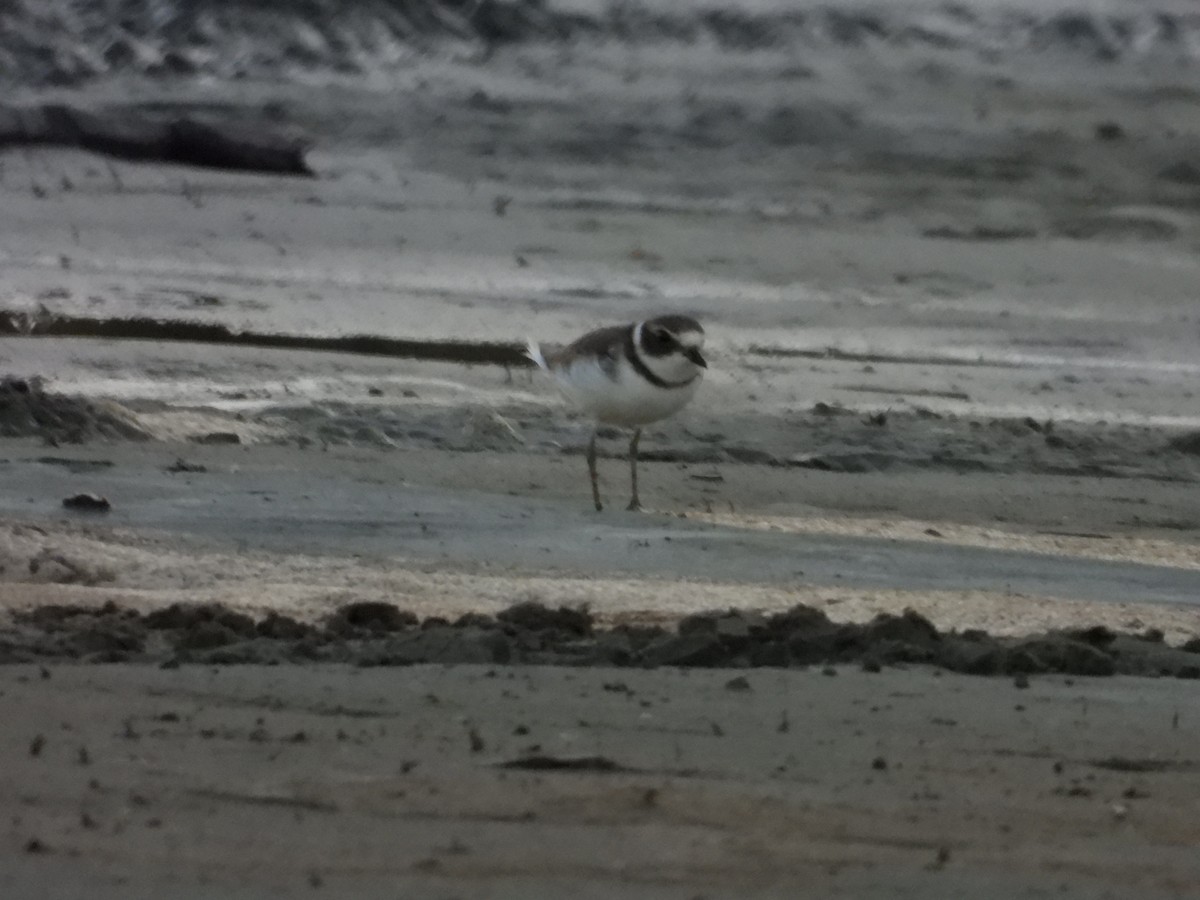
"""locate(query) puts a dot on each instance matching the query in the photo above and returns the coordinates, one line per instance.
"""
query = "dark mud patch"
(147, 329)
(980, 233)
(1127, 764)
(380, 634)
(28, 410)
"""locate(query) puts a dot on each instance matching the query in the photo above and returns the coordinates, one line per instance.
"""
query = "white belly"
(629, 400)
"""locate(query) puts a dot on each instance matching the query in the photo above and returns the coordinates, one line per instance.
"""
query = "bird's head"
(672, 346)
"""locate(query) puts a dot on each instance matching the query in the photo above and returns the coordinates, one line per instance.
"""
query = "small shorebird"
(628, 375)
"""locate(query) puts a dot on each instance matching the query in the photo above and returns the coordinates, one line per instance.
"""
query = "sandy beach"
(946, 260)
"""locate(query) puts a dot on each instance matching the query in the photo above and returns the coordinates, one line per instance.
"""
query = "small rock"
(738, 684)
(87, 503)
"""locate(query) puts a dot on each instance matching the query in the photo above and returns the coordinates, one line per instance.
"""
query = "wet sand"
(445, 533)
(252, 782)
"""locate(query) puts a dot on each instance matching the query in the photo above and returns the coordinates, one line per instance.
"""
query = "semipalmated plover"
(628, 375)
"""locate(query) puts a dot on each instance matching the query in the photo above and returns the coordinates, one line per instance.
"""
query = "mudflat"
(915, 606)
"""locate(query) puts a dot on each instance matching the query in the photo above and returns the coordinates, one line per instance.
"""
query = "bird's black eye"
(663, 337)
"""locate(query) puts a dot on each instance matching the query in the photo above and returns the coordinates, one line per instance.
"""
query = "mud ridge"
(833, 353)
(381, 634)
(147, 329)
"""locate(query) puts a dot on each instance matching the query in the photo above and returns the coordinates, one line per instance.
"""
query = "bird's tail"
(534, 352)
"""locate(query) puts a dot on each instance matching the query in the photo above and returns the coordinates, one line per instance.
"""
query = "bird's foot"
(634, 505)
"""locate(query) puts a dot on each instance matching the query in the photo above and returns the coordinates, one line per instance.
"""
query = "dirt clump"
(382, 634)
(365, 618)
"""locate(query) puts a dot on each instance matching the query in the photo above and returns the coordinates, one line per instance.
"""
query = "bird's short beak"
(694, 355)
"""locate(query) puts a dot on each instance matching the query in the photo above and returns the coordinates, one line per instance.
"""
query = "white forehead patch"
(691, 339)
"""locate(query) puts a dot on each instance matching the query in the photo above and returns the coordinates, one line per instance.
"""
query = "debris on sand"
(487, 429)
(181, 465)
(564, 764)
(381, 634)
(49, 565)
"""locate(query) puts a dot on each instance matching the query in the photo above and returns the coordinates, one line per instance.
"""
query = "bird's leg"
(591, 461)
(634, 503)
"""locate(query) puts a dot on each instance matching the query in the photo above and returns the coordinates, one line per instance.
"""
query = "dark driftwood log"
(198, 144)
(127, 135)
(118, 134)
